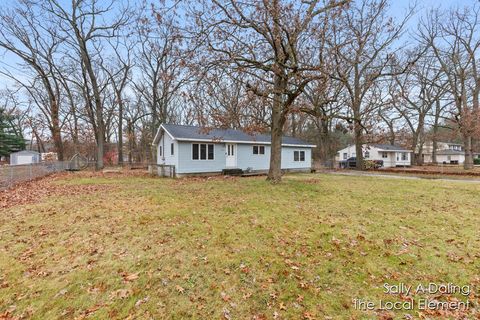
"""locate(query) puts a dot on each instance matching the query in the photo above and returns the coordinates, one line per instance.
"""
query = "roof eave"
(244, 142)
(157, 135)
(396, 150)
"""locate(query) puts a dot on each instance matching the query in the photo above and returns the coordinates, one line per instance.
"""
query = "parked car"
(351, 163)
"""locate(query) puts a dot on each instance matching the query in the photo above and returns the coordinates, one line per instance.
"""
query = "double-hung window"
(203, 151)
(258, 149)
(298, 155)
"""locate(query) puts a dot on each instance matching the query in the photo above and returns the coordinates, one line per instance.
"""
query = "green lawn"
(151, 248)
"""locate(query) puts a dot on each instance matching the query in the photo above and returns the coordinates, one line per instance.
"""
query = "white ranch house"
(196, 150)
(391, 155)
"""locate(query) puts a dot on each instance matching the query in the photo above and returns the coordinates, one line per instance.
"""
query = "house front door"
(231, 156)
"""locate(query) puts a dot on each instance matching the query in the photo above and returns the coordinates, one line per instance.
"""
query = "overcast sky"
(397, 10)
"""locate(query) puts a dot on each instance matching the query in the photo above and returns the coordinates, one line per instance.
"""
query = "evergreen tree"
(10, 139)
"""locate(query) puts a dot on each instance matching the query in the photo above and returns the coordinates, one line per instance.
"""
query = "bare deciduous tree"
(454, 39)
(85, 25)
(363, 40)
(269, 40)
(30, 36)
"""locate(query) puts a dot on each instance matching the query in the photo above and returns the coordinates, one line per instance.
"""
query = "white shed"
(24, 157)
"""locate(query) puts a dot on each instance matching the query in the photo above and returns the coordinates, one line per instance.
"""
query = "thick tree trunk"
(419, 140)
(420, 154)
(100, 148)
(120, 132)
(57, 141)
(55, 120)
(360, 165)
(130, 141)
(468, 164)
(414, 157)
(76, 142)
(275, 171)
(324, 142)
(435, 131)
(294, 126)
(392, 135)
(55, 130)
(278, 120)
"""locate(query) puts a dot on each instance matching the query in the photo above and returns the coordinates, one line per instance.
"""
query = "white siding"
(187, 165)
(454, 157)
(288, 160)
(376, 154)
(245, 158)
(167, 157)
(350, 151)
(399, 162)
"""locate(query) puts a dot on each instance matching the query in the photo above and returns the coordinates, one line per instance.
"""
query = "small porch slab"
(232, 172)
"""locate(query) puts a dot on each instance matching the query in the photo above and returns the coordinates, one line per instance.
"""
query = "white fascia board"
(299, 145)
(389, 150)
(157, 135)
(244, 142)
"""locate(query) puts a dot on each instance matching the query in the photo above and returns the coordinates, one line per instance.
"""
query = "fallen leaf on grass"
(141, 301)
(61, 293)
(120, 294)
(226, 314)
(247, 295)
(129, 277)
(225, 297)
(89, 311)
(179, 289)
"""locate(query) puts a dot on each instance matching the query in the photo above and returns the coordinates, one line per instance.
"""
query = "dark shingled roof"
(182, 132)
(448, 152)
(389, 147)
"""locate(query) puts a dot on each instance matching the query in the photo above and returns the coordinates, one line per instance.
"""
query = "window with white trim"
(345, 156)
(203, 151)
(258, 149)
(160, 150)
(404, 156)
(298, 155)
(367, 154)
(384, 155)
(171, 149)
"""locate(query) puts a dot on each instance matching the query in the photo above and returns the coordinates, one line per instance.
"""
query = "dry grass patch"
(144, 248)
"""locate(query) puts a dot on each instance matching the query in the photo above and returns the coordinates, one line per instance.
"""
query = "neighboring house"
(448, 156)
(24, 157)
(391, 155)
(447, 152)
(195, 150)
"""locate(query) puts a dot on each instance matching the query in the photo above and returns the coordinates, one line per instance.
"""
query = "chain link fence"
(163, 170)
(11, 175)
